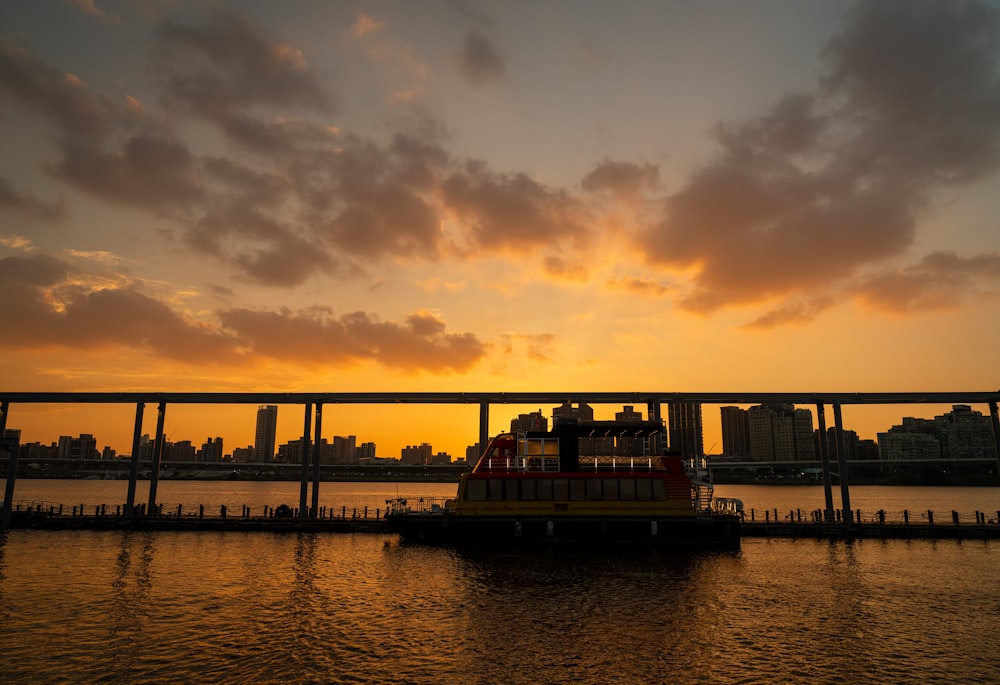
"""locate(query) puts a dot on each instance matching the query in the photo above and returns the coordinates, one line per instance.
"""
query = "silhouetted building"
(780, 432)
(245, 454)
(416, 454)
(345, 449)
(685, 435)
(960, 434)
(535, 421)
(628, 414)
(267, 428)
(211, 451)
(583, 412)
(735, 432)
(83, 447)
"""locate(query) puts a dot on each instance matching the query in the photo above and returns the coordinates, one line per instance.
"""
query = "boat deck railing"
(420, 505)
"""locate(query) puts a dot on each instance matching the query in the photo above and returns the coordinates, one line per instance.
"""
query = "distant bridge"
(653, 401)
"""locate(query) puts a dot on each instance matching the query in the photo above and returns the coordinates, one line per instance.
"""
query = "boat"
(582, 482)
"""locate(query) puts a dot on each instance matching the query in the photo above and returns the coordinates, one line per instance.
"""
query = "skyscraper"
(735, 432)
(267, 426)
(685, 429)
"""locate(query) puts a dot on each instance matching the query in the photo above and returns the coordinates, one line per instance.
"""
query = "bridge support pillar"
(995, 420)
(315, 460)
(484, 426)
(133, 469)
(304, 485)
(8, 492)
(158, 446)
(845, 494)
(824, 455)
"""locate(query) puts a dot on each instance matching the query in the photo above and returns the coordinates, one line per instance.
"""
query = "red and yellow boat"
(600, 481)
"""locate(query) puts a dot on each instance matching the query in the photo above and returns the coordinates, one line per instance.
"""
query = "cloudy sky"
(772, 195)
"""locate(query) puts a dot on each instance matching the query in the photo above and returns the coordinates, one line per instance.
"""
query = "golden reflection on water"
(232, 607)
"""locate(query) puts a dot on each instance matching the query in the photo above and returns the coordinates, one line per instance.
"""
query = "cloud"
(830, 184)
(228, 65)
(60, 96)
(364, 25)
(479, 62)
(941, 280)
(56, 304)
(420, 343)
(25, 203)
(512, 211)
(624, 180)
(90, 8)
(149, 171)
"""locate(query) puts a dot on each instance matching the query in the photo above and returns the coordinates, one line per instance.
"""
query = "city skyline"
(681, 437)
(387, 196)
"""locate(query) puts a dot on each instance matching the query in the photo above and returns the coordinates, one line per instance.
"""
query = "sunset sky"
(772, 195)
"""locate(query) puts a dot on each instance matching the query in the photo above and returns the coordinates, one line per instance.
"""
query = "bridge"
(311, 419)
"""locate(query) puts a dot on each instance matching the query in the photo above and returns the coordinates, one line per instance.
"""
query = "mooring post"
(154, 474)
(133, 469)
(304, 489)
(315, 459)
(824, 455)
(484, 426)
(845, 494)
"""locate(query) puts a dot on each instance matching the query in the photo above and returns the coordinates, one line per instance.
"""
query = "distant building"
(472, 453)
(441, 459)
(244, 454)
(628, 415)
(959, 434)
(345, 450)
(735, 432)
(416, 454)
(211, 451)
(535, 421)
(267, 428)
(583, 412)
(83, 447)
(780, 432)
(685, 435)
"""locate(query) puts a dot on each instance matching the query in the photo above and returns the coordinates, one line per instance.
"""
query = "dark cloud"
(60, 96)
(830, 184)
(479, 62)
(25, 203)
(418, 344)
(51, 303)
(625, 180)
(147, 172)
(51, 308)
(228, 64)
(512, 211)
(941, 280)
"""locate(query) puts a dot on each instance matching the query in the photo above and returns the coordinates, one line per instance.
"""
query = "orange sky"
(381, 196)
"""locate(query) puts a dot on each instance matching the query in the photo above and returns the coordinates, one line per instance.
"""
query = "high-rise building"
(267, 428)
(735, 432)
(535, 421)
(685, 429)
(583, 412)
(780, 432)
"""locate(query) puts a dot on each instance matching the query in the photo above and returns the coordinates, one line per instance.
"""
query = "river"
(224, 607)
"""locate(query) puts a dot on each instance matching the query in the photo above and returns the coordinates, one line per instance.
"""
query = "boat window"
(510, 489)
(475, 490)
(528, 490)
(643, 489)
(594, 489)
(560, 489)
(578, 489)
(626, 488)
(659, 490)
(611, 490)
(495, 489)
(545, 489)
